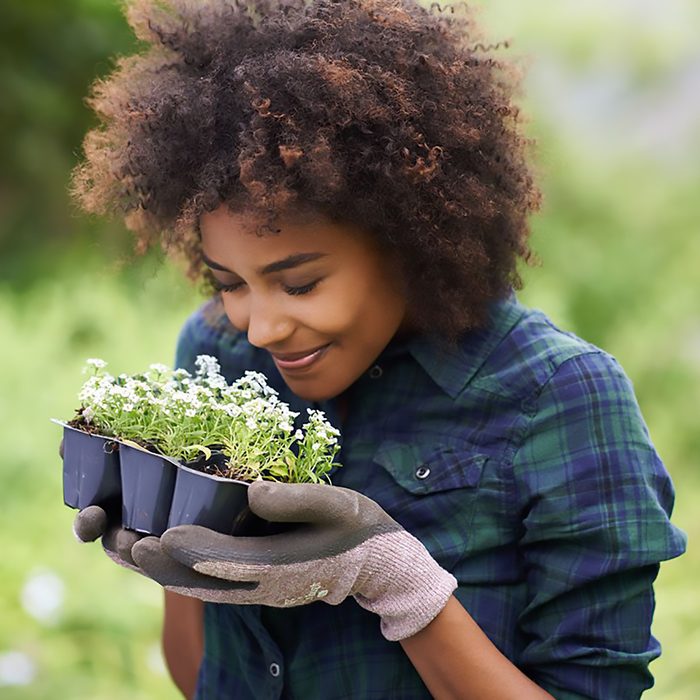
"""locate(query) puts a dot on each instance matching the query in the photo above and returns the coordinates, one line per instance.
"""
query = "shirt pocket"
(433, 493)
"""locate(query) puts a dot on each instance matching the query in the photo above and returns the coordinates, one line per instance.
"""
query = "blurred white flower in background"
(43, 595)
(16, 668)
(155, 661)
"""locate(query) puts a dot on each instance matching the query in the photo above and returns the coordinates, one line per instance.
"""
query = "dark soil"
(80, 424)
(215, 465)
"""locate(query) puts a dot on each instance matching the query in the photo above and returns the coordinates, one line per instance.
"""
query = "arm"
(595, 501)
(183, 640)
(457, 660)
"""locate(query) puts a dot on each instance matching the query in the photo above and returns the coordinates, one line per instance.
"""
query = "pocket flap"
(423, 470)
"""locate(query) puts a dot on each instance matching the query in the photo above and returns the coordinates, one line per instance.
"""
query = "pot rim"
(213, 477)
(84, 432)
(134, 445)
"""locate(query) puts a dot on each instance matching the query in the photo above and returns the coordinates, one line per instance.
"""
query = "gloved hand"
(92, 522)
(345, 545)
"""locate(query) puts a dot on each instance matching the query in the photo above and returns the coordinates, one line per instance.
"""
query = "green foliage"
(49, 54)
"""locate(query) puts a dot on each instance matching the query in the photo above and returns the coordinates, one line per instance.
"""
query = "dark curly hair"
(379, 112)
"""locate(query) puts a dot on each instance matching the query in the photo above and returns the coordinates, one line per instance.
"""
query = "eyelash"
(292, 291)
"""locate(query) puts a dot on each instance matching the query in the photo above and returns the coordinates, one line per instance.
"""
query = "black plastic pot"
(216, 502)
(148, 480)
(91, 474)
(211, 501)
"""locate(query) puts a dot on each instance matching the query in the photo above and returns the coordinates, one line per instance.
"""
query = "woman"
(352, 181)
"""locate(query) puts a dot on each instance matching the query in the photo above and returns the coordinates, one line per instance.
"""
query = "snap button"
(274, 670)
(376, 372)
(422, 472)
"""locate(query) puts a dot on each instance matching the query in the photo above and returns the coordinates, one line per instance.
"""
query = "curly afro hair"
(379, 112)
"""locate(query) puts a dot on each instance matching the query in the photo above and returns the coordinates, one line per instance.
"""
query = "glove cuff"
(403, 584)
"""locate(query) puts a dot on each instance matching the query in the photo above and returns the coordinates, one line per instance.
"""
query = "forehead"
(244, 232)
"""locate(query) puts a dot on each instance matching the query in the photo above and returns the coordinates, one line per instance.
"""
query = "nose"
(267, 325)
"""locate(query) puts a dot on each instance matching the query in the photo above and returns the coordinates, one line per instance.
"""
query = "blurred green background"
(613, 90)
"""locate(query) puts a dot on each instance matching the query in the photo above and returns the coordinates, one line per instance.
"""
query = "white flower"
(43, 596)
(207, 365)
(95, 362)
(16, 669)
(230, 409)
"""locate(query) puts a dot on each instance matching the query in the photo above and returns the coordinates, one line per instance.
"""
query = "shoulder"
(562, 384)
(535, 352)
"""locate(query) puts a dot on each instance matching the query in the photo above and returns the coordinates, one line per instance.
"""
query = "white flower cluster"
(185, 416)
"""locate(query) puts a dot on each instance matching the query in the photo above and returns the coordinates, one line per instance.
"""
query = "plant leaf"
(204, 449)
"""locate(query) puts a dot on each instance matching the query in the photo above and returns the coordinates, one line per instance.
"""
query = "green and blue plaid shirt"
(523, 464)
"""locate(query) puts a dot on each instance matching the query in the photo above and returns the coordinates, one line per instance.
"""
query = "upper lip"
(296, 355)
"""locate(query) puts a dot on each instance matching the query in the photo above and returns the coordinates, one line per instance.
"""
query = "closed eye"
(304, 289)
(292, 291)
(220, 287)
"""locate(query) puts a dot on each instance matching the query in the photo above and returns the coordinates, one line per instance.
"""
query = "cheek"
(343, 306)
(326, 313)
(347, 304)
(367, 309)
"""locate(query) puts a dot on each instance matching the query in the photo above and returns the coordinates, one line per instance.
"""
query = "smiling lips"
(298, 360)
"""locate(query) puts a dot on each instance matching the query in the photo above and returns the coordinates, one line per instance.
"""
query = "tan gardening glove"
(345, 544)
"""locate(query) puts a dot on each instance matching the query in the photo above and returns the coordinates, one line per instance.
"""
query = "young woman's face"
(319, 296)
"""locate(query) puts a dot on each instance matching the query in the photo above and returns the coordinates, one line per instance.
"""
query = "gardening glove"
(344, 544)
(92, 522)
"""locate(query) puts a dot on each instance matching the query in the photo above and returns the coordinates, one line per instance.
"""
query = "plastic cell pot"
(211, 501)
(148, 480)
(215, 502)
(91, 473)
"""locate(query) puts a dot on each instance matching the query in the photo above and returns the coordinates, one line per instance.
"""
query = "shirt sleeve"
(595, 502)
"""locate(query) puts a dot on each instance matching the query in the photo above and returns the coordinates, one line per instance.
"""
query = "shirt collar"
(452, 368)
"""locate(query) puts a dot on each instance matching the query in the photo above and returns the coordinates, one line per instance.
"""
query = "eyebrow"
(287, 263)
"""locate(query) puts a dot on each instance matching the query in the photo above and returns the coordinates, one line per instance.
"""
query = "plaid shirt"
(523, 464)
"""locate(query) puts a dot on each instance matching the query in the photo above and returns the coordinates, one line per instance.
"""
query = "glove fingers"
(191, 545)
(90, 523)
(155, 563)
(119, 542)
(304, 503)
(198, 547)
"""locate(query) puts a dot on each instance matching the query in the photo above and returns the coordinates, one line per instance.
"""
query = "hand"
(344, 545)
(92, 522)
